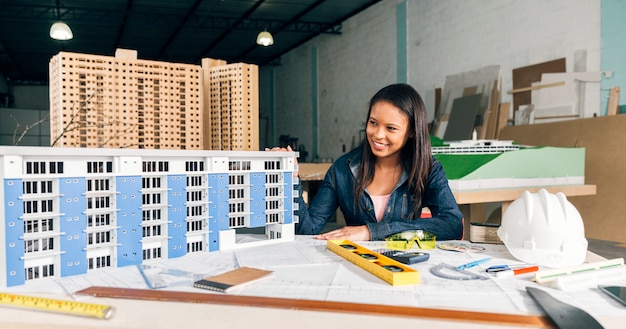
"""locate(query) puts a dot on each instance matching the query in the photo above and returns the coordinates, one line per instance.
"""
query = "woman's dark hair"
(415, 156)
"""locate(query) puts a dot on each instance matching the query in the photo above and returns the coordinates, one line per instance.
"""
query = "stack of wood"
(470, 102)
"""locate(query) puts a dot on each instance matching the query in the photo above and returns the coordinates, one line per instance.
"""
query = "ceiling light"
(61, 31)
(265, 39)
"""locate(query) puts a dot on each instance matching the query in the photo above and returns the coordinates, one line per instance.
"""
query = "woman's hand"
(282, 149)
(356, 233)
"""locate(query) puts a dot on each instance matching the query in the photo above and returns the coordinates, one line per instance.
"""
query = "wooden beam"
(613, 101)
(503, 118)
(547, 85)
(319, 305)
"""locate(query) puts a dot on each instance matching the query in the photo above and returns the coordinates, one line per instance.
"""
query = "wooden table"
(473, 202)
(312, 171)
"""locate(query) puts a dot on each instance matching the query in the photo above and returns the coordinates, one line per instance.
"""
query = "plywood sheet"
(603, 138)
(462, 118)
(477, 81)
(525, 76)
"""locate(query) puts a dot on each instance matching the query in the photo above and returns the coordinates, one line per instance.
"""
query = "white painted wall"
(445, 37)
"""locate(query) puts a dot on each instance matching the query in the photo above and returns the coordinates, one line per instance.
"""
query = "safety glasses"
(404, 240)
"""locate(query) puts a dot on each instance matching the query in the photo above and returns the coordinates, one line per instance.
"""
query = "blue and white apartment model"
(69, 211)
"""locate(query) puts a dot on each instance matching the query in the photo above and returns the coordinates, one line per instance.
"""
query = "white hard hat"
(544, 229)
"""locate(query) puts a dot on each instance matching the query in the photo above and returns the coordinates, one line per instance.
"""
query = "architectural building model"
(123, 102)
(489, 164)
(526, 167)
(476, 146)
(65, 213)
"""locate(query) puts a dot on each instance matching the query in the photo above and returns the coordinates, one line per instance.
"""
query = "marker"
(500, 268)
(510, 273)
(474, 263)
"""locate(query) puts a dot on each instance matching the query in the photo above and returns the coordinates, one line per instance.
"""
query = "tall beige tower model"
(230, 105)
(123, 102)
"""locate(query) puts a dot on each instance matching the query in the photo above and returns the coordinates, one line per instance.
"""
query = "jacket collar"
(354, 160)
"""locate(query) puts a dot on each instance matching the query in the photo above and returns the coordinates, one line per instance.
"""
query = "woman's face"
(387, 130)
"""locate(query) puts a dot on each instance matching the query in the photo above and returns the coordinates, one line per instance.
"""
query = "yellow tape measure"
(391, 271)
(57, 305)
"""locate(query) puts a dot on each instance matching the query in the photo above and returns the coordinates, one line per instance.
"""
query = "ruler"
(56, 305)
(318, 305)
(387, 269)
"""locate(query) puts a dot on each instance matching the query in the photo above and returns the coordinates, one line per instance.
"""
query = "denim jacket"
(337, 190)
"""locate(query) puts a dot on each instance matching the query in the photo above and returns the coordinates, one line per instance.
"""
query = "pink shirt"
(380, 204)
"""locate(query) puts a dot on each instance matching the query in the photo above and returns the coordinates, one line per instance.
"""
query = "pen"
(474, 263)
(510, 273)
(500, 268)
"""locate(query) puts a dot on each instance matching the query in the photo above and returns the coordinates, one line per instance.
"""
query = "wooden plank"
(603, 139)
(472, 202)
(525, 76)
(490, 119)
(312, 171)
(503, 118)
(462, 118)
(500, 195)
(613, 101)
(318, 305)
(535, 87)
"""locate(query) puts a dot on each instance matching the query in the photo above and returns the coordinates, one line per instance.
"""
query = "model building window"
(37, 272)
(151, 182)
(272, 178)
(35, 167)
(194, 166)
(151, 198)
(237, 221)
(98, 238)
(152, 214)
(194, 246)
(194, 181)
(194, 195)
(99, 167)
(38, 225)
(236, 179)
(272, 192)
(239, 165)
(152, 253)
(98, 185)
(98, 202)
(155, 166)
(152, 230)
(56, 167)
(195, 211)
(194, 225)
(272, 218)
(272, 165)
(37, 245)
(272, 204)
(98, 220)
(99, 262)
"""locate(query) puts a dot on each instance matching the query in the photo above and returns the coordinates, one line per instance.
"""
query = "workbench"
(314, 287)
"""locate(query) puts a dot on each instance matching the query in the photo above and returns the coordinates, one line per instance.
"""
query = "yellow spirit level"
(387, 269)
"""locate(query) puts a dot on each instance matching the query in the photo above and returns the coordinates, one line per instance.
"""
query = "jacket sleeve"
(446, 221)
(312, 219)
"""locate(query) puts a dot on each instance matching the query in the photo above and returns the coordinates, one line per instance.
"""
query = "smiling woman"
(382, 185)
